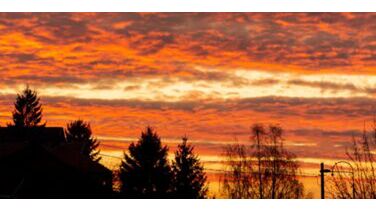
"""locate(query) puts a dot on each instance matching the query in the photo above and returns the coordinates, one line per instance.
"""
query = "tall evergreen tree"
(145, 172)
(27, 109)
(189, 180)
(79, 132)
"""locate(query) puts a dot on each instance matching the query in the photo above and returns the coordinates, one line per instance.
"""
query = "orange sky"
(207, 75)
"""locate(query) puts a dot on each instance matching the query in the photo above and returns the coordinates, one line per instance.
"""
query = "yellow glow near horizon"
(194, 90)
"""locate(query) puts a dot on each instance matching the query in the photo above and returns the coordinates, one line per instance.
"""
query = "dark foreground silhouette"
(37, 161)
(49, 162)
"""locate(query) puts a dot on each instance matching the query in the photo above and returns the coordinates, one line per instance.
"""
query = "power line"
(111, 156)
(303, 174)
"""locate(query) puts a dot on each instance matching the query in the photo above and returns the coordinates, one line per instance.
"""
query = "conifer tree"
(189, 180)
(79, 132)
(27, 109)
(145, 172)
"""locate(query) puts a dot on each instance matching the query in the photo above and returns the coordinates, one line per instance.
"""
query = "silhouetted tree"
(357, 176)
(189, 181)
(258, 135)
(237, 182)
(145, 172)
(262, 170)
(79, 132)
(27, 109)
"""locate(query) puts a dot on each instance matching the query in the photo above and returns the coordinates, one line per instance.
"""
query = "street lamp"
(352, 173)
(322, 172)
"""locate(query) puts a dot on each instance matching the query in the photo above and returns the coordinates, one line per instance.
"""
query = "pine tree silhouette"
(27, 109)
(80, 132)
(189, 180)
(145, 172)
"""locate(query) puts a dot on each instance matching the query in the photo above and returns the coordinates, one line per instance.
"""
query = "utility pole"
(322, 171)
(259, 164)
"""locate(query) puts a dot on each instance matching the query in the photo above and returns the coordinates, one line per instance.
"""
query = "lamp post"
(352, 174)
(322, 172)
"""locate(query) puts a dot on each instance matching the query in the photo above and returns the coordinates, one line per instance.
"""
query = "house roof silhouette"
(40, 163)
(47, 136)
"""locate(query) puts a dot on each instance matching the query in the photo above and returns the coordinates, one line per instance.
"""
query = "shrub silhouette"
(27, 109)
(145, 172)
(79, 132)
(189, 179)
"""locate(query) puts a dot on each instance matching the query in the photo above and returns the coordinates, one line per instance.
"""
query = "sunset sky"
(207, 75)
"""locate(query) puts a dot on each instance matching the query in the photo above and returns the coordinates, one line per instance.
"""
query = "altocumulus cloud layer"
(208, 75)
